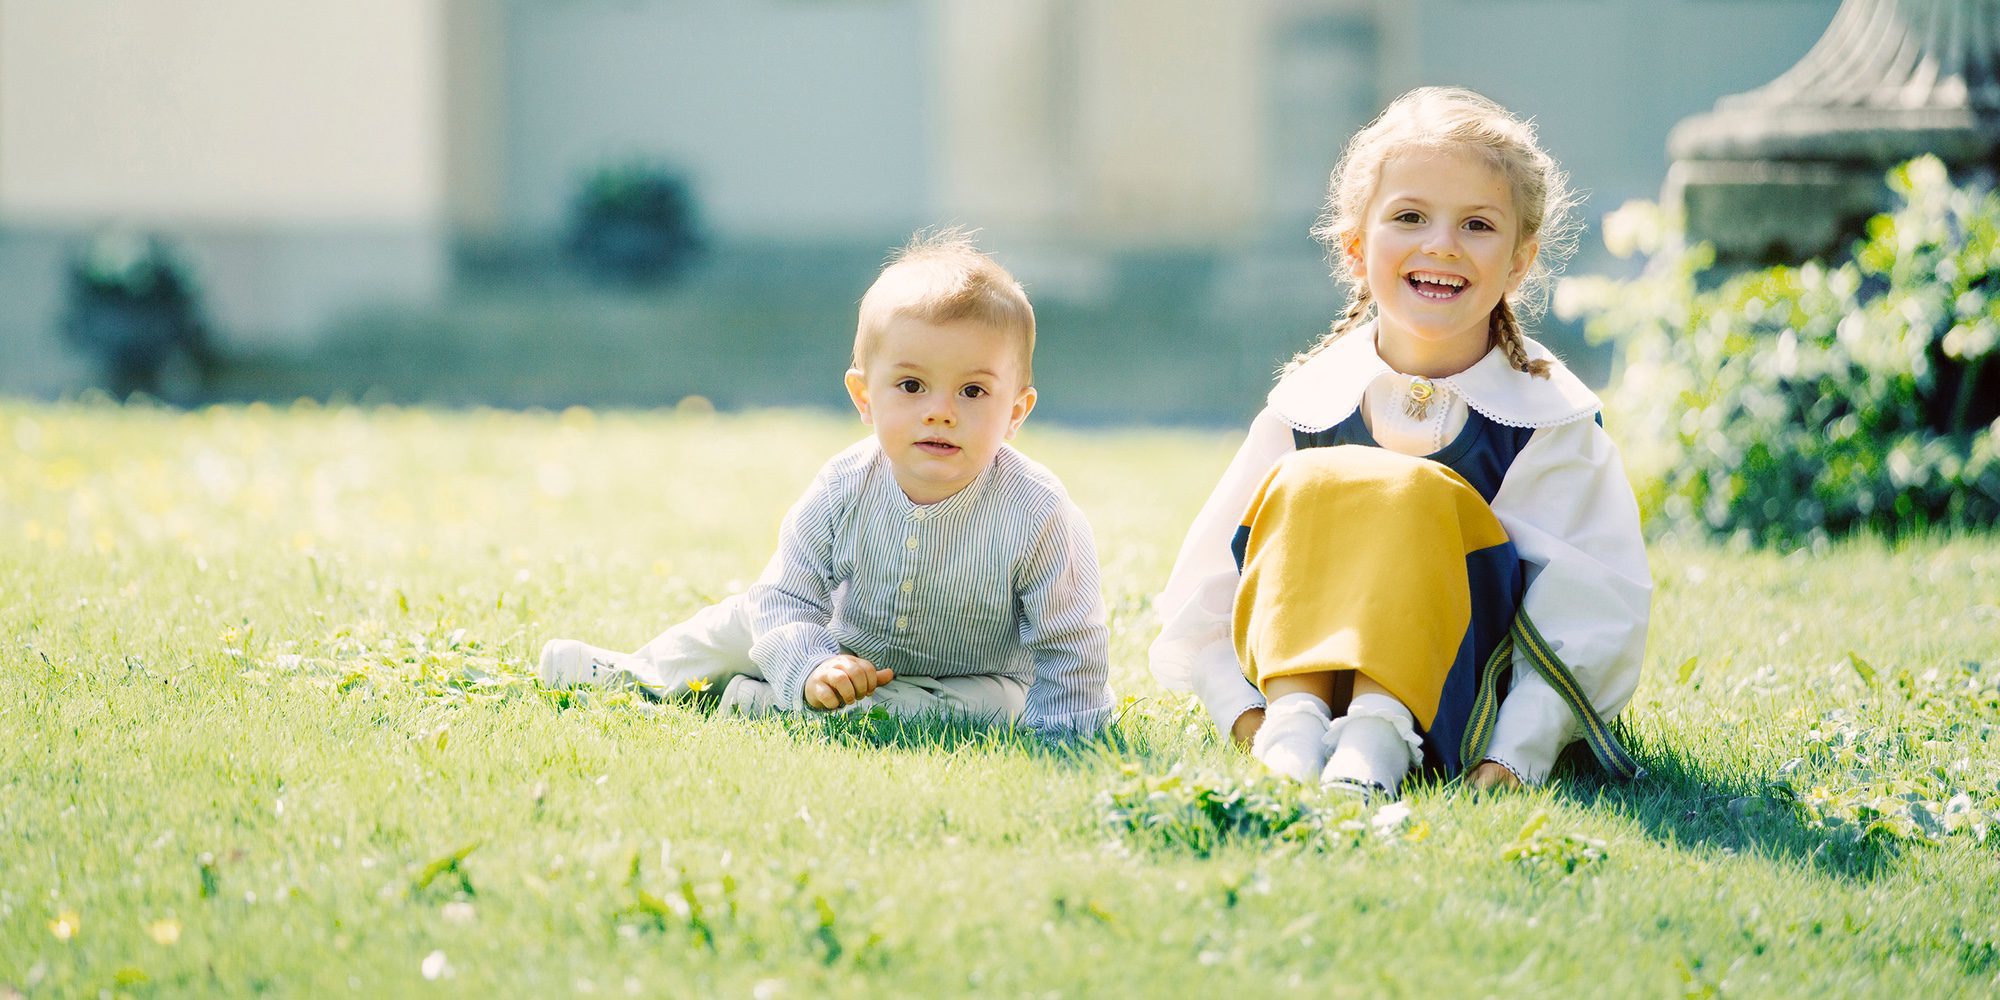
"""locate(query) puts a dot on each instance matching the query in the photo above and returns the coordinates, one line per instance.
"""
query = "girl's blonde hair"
(1434, 118)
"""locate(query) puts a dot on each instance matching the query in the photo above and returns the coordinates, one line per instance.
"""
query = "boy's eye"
(973, 391)
(910, 385)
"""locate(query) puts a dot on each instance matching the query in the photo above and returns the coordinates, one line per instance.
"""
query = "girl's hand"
(1491, 775)
(842, 680)
(1246, 727)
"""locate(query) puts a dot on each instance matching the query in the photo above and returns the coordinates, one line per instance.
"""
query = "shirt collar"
(1327, 388)
(952, 505)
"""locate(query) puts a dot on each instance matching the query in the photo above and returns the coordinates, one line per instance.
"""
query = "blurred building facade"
(318, 158)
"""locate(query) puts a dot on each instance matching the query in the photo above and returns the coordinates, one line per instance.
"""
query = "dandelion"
(66, 925)
(698, 684)
(166, 931)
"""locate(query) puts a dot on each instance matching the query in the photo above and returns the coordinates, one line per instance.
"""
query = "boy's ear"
(1024, 404)
(857, 390)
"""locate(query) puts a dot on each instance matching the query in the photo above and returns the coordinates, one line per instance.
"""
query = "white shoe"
(570, 663)
(1373, 746)
(747, 697)
(1292, 740)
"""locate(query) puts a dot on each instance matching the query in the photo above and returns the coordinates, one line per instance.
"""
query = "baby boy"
(930, 569)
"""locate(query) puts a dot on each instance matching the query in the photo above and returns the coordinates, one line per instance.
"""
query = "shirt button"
(908, 586)
(902, 623)
(910, 542)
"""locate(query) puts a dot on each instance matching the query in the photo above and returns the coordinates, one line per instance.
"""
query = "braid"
(1358, 302)
(1357, 308)
(1506, 332)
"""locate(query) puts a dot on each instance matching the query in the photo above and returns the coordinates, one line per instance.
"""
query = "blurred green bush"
(135, 309)
(1795, 404)
(636, 223)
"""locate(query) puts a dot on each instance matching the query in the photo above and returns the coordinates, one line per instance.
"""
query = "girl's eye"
(1410, 217)
(1478, 224)
(910, 385)
(973, 391)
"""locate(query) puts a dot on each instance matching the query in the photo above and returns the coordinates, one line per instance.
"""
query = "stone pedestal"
(1793, 169)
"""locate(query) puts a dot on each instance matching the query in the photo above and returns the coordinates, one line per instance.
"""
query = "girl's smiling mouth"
(1436, 285)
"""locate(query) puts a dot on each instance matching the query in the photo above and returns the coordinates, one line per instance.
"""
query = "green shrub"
(1792, 404)
(636, 223)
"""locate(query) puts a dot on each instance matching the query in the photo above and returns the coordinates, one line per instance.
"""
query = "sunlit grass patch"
(266, 683)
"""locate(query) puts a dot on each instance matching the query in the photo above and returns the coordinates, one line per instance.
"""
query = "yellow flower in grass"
(166, 931)
(698, 684)
(66, 925)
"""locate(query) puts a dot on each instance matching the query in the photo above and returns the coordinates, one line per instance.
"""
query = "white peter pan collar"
(1327, 388)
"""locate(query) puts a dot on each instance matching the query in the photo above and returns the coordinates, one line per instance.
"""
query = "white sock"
(1292, 740)
(1375, 743)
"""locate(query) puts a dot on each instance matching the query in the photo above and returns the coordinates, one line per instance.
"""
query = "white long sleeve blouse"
(1564, 501)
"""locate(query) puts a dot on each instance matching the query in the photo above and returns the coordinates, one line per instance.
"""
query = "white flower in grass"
(1390, 818)
(436, 966)
(459, 912)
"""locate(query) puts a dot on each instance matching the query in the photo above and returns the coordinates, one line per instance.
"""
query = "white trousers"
(714, 646)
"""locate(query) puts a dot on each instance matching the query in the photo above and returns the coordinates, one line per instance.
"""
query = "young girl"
(1426, 551)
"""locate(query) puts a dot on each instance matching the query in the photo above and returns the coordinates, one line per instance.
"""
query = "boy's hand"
(840, 681)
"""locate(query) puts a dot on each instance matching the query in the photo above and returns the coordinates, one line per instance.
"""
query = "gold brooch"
(1418, 404)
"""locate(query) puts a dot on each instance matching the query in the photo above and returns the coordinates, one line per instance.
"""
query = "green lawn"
(264, 707)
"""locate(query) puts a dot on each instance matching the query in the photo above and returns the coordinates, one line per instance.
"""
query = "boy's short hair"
(941, 277)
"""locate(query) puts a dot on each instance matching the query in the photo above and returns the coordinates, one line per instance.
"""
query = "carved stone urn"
(1793, 169)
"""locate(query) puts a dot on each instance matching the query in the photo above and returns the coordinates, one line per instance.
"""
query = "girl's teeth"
(1435, 289)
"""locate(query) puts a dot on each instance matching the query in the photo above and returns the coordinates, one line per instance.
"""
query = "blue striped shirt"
(999, 578)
